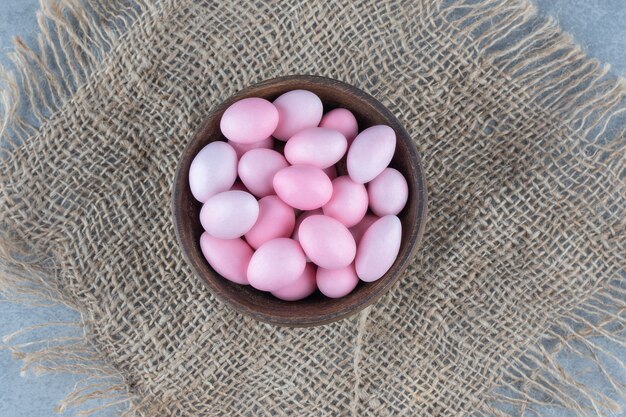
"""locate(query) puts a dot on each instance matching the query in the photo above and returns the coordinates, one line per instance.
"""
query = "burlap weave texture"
(525, 238)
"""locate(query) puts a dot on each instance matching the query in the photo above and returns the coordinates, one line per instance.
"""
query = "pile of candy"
(284, 222)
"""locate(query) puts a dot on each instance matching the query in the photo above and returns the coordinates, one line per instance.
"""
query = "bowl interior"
(316, 309)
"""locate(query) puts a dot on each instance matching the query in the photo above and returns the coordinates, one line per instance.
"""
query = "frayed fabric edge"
(588, 102)
(74, 40)
(535, 382)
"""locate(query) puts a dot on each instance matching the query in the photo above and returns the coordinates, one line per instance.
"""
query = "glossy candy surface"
(378, 248)
(388, 192)
(229, 214)
(370, 153)
(316, 146)
(301, 288)
(229, 257)
(335, 283)
(304, 187)
(213, 170)
(342, 120)
(276, 264)
(257, 168)
(249, 120)
(314, 210)
(348, 204)
(297, 110)
(327, 242)
(276, 219)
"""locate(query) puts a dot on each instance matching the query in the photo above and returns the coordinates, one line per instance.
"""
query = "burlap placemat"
(523, 147)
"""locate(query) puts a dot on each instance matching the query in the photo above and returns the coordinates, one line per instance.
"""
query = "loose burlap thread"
(522, 138)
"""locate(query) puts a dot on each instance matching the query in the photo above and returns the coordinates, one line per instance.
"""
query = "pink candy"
(301, 288)
(348, 204)
(342, 120)
(251, 194)
(229, 214)
(388, 192)
(335, 283)
(257, 168)
(370, 153)
(229, 257)
(304, 187)
(359, 229)
(327, 242)
(316, 146)
(241, 148)
(213, 170)
(276, 219)
(276, 264)
(300, 219)
(378, 248)
(297, 110)
(249, 120)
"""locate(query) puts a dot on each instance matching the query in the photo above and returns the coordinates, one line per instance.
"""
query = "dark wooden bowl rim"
(317, 309)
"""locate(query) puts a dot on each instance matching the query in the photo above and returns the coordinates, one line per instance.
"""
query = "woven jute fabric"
(523, 149)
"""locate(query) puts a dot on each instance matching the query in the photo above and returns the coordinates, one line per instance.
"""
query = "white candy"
(229, 214)
(378, 248)
(388, 192)
(370, 153)
(213, 170)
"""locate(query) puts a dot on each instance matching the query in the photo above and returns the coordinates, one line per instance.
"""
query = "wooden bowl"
(316, 309)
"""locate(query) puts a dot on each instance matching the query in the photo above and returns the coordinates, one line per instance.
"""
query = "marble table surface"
(598, 25)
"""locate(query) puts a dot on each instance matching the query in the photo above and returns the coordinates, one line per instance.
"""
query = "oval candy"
(316, 146)
(327, 242)
(301, 288)
(378, 248)
(230, 214)
(342, 120)
(297, 110)
(257, 169)
(229, 257)
(370, 153)
(304, 187)
(276, 264)
(249, 120)
(241, 148)
(276, 219)
(348, 204)
(388, 192)
(213, 170)
(335, 283)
